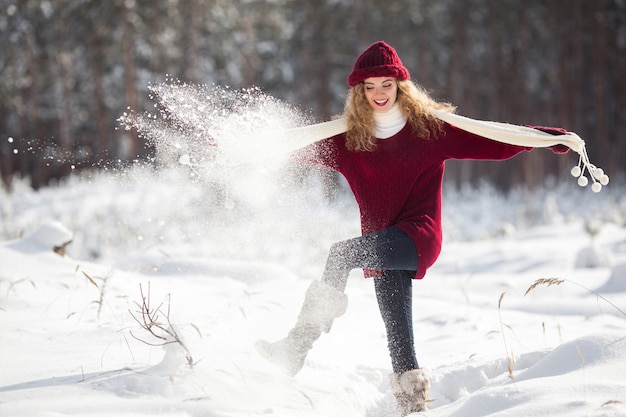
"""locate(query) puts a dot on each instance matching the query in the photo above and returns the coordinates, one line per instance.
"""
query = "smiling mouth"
(381, 103)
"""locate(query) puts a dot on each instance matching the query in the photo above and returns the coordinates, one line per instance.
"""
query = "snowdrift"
(72, 344)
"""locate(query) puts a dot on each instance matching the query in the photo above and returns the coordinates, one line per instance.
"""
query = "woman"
(392, 156)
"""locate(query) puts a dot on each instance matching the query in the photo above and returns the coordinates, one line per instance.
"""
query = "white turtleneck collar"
(389, 123)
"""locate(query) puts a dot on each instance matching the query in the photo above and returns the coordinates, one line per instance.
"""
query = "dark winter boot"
(322, 304)
(411, 391)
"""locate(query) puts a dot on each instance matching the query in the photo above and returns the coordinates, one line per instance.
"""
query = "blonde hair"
(414, 102)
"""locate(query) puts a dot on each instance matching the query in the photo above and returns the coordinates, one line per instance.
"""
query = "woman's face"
(381, 92)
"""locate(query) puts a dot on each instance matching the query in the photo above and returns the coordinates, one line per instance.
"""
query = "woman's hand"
(559, 149)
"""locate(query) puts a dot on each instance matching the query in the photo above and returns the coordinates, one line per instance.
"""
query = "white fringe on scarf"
(287, 141)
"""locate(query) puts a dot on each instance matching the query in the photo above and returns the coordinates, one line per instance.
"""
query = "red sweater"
(399, 183)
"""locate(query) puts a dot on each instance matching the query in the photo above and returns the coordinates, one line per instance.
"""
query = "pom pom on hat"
(378, 60)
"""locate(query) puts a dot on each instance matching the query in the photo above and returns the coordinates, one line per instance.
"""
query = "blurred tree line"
(70, 68)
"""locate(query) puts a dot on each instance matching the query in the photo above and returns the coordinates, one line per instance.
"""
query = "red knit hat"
(378, 60)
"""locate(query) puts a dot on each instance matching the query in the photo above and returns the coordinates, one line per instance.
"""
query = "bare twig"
(158, 327)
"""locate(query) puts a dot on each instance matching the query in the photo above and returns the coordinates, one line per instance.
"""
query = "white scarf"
(526, 136)
(390, 122)
(286, 141)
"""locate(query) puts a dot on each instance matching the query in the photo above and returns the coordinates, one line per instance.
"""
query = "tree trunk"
(64, 60)
(101, 144)
(601, 77)
(130, 82)
(191, 40)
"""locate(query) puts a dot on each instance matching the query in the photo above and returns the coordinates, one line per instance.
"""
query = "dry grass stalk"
(544, 281)
(557, 281)
(101, 289)
(13, 284)
(509, 357)
(581, 358)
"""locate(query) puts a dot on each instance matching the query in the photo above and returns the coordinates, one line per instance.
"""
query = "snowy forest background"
(69, 68)
(232, 249)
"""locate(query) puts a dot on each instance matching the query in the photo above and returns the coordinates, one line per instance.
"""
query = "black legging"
(393, 252)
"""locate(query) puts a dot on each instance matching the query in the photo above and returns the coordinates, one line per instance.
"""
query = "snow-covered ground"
(227, 263)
